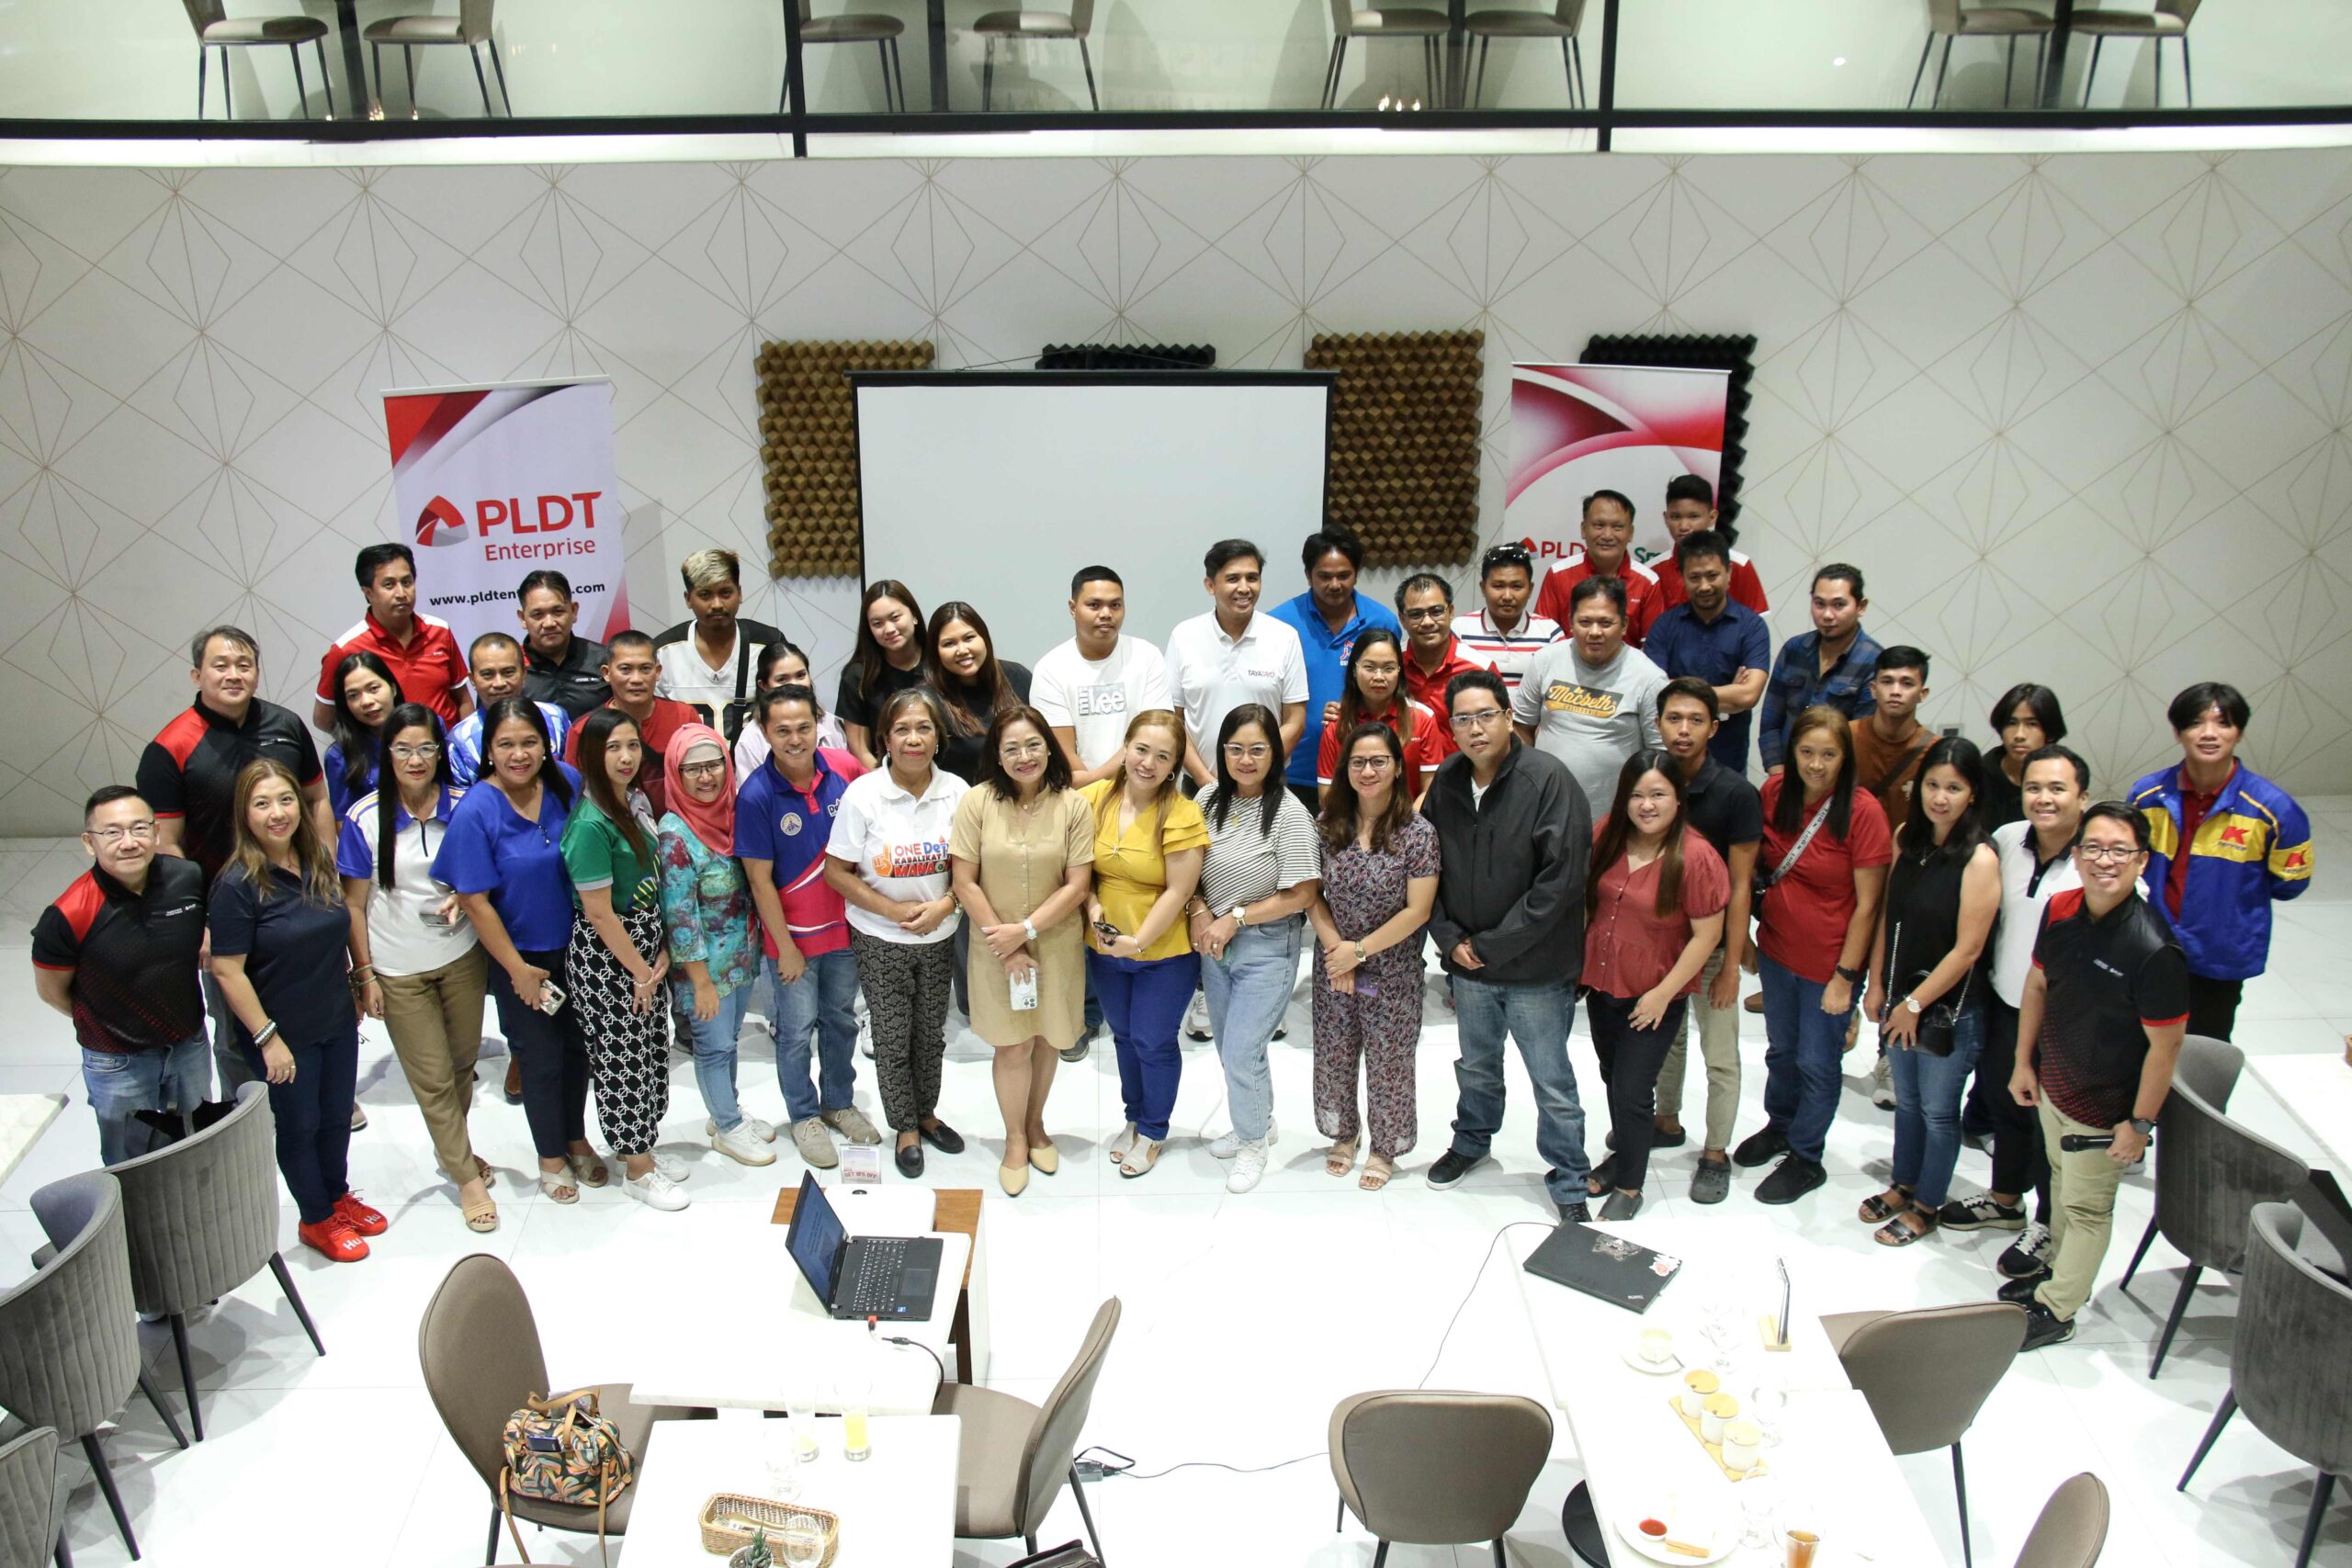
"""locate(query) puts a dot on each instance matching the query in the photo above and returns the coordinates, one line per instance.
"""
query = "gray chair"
(1076, 23)
(1387, 21)
(2072, 1530)
(215, 29)
(1948, 19)
(2169, 21)
(1562, 22)
(32, 1503)
(1433, 1467)
(2212, 1174)
(479, 1346)
(2212, 1068)
(1928, 1373)
(69, 1335)
(469, 29)
(880, 31)
(2288, 1368)
(1013, 1456)
(201, 1219)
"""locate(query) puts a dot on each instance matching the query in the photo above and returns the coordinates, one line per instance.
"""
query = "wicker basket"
(724, 1538)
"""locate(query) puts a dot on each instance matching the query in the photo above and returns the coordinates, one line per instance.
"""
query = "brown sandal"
(1876, 1207)
(1894, 1233)
(1376, 1172)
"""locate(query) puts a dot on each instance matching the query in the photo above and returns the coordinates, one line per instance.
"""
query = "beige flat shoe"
(1045, 1157)
(1117, 1147)
(1376, 1172)
(483, 1218)
(1013, 1178)
(557, 1185)
(1340, 1158)
(590, 1170)
(1142, 1154)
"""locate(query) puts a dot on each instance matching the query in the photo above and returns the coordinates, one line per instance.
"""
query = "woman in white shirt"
(419, 966)
(888, 860)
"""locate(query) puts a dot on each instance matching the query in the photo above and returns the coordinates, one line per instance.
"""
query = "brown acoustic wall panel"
(809, 447)
(1405, 450)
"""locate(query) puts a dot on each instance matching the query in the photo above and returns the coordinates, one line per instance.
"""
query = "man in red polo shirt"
(631, 670)
(1691, 507)
(422, 650)
(1433, 653)
(1608, 552)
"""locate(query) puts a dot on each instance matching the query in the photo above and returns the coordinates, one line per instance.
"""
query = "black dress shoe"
(2044, 1327)
(2021, 1291)
(1760, 1148)
(1576, 1213)
(941, 1136)
(910, 1160)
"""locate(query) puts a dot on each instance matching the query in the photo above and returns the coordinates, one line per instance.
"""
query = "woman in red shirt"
(1653, 910)
(1372, 694)
(1822, 870)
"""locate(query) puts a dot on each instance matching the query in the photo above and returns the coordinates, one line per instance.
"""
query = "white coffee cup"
(1691, 1403)
(1743, 1445)
(1657, 1346)
(1719, 1410)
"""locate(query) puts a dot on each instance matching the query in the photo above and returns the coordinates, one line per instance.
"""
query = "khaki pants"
(2082, 1212)
(434, 1019)
(1718, 1031)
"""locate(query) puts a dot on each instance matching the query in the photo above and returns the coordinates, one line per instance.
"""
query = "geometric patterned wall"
(2082, 418)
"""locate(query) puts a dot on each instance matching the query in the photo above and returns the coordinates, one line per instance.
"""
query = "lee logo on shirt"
(926, 857)
(1567, 696)
(1093, 702)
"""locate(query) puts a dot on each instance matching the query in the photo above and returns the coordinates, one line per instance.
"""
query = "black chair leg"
(375, 58)
(2311, 1523)
(1960, 1490)
(294, 1299)
(2188, 85)
(64, 1553)
(1339, 70)
(987, 74)
(1031, 1542)
(1087, 1515)
(1942, 65)
(2220, 1419)
(162, 1409)
(187, 1373)
(2147, 1240)
(490, 1547)
(1088, 60)
(498, 69)
(1584, 93)
(2090, 75)
(326, 78)
(899, 75)
(228, 93)
(882, 49)
(1919, 75)
(98, 1458)
(1428, 72)
(1380, 1555)
(300, 92)
(1501, 1561)
(203, 58)
(481, 80)
(2041, 63)
(2008, 69)
(2172, 1322)
(408, 66)
(1339, 1517)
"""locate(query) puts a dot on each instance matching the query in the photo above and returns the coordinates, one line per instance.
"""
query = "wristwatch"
(1913, 1003)
(1241, 913)
(1851, 977)
(2143, 1126)
(1029, 930)
(1360, 955)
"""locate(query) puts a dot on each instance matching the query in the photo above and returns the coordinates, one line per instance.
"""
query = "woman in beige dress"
(1022, 850)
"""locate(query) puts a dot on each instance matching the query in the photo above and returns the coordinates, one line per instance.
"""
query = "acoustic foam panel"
(809, 447)
(1405, 446)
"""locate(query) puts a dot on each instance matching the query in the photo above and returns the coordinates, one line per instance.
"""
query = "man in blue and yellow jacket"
(2227, 842)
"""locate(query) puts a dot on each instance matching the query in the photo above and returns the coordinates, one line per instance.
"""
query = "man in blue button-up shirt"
(1328, 617)
(1830, 665)
(1716, 639)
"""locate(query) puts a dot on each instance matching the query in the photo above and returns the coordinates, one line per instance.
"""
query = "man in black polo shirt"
(117, 955)
(189, 775)
(1727, 812)
(2105, 1005)
(558, 667)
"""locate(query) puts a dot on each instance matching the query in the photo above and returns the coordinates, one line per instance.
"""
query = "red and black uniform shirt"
(189, 771)
(132, 954)
(2110, 978)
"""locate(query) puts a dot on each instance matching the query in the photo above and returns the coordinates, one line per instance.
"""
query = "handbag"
(559, 1450)
(1939, 1020)
(737, 714)
(1764, 880)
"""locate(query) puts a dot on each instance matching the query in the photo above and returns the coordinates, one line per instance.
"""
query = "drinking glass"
(802, 1418)
(1757, 1509)
(803, 1541)
(1768, 1404)
(784, 1475)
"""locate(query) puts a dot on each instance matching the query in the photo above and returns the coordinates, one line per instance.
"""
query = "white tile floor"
(1246, 1317)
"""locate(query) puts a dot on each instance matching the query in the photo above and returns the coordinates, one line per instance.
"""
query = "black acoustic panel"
(1128, 356)
(1698, 351)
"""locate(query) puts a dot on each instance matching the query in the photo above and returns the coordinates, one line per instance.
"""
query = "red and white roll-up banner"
(1631, 428)
(492, 483)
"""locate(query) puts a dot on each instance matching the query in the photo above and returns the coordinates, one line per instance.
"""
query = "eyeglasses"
(1240, 753)
(140, 831)
(1430, 612)
(2107, 854)
(703, 770)
(1477, 720)
(423, 753)
(1379, 763)
(1013, 750)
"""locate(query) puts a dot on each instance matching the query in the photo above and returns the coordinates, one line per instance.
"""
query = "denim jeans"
(313, 1111)
(1538, 1017)
(228, 1057)
(1144, 1002)
(1249, 990)
(822, 1004)
(1630, 1059)
(713, 1041)
(1928, 1091)
(120, 1084)
(1803, 1049)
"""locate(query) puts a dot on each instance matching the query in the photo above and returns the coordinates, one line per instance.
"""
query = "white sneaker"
(1231, 1145)
(1196, 1018)
(1883, 1083)
(864, 1036)
(742, 1145)
(1249, 1165)
(670, 1167)
(751, 1126)
(656, 1190)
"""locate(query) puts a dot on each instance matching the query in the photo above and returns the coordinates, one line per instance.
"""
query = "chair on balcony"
(2169, 20)
(215, 29)
(1562, 22)
(470, 27)
(1948, 19)
(1387, 21)
(1009, 24)
(855, 26)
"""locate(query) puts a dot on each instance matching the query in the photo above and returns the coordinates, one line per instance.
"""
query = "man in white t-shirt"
(717, 659)
(1231, 656)
(1091, 687)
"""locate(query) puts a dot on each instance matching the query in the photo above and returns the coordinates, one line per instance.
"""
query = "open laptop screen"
(815, 1238)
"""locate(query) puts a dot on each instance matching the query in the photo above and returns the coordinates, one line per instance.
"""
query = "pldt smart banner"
(1578, 428)
(491, 483)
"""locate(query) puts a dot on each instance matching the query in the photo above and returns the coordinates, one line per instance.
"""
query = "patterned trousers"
(1383, 1030)
(628, 1052)
(906, 986)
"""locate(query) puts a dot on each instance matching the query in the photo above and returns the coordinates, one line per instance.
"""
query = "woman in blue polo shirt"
(502, 856)
(366, 692)
(281, 939)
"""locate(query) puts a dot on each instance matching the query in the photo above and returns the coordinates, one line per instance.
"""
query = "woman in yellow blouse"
(1149, 842)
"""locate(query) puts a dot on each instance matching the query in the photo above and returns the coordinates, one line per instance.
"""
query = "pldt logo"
(441, 523)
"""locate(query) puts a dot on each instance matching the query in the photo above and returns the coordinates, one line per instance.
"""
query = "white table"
(738, 1326)
(2315, 1088)
(23, 1119)
(1832, 1472)
(896, 1508)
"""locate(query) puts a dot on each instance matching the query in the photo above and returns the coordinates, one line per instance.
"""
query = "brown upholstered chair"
(2169, 21)
(1075, 23)
(855, 26)
(2072, 1530)
(1385, 21)
(215, 29)
(1437, 1468)
(471, 28)
(1948, 19)
(1013, 1456)
(1562, 22)
(1928, 1373)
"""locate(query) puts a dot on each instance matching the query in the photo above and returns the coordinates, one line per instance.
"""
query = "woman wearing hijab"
(714, 951)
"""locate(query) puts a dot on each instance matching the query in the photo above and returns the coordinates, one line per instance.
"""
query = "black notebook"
(1600, 1263)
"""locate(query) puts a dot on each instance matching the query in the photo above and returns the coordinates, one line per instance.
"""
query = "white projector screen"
(993, 487)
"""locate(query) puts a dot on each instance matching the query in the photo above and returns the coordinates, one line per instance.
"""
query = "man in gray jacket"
(1514, 837)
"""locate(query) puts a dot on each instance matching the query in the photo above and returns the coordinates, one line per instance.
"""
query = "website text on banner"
(1578, 428)
(491, 483)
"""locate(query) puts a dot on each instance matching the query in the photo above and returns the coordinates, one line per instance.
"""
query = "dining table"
(23, 1119)
(2315, 1088)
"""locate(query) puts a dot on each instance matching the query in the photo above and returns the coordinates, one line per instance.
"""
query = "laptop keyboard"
(876, 1288)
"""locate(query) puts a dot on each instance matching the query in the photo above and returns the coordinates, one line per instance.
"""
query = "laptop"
(890, 1277)
(1603, 1265)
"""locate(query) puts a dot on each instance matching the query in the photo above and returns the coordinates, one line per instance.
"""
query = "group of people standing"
(619, 843)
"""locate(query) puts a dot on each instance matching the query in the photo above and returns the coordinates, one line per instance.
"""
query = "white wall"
(2081, 418)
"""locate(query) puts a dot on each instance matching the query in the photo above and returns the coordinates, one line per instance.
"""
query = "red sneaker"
(359, 1216)
(335, 1239)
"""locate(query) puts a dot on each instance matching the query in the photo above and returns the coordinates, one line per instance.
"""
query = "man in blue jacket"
(2227, 843)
